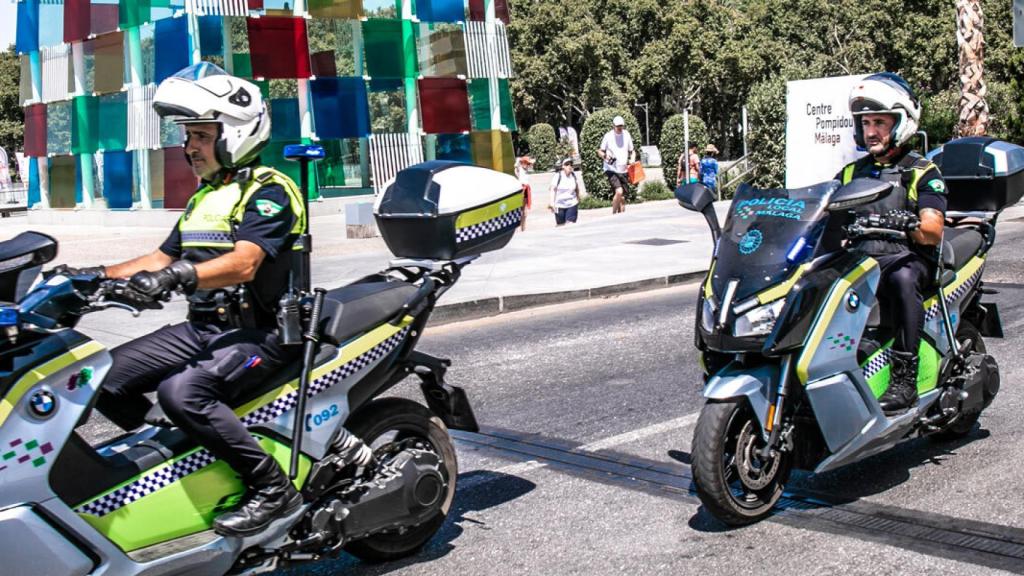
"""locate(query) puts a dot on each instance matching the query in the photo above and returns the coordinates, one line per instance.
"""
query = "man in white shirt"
(617, 152)
(565, 194)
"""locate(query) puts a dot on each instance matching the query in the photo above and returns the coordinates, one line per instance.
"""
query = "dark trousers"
(905, 276)
(197, 370)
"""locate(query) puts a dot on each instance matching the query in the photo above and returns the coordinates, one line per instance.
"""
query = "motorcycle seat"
(964, 243)
(351, 310)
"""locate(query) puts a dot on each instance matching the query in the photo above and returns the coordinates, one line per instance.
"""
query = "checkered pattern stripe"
(506, 220)
(147, 484)
(158, 479)
(207, 236)
(955, 295)
(877, 363)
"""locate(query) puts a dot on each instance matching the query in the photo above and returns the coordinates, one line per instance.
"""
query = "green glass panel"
(273, 155)
(382, 40)
(113, 114)
(508, 117)
(132, 13)
(85, 129)
(340, 166)
(480, 104)
(242, 65)
(58, 128)
(62, 181)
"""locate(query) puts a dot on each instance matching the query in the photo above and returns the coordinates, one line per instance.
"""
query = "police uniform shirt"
(931, 188)
(266, 226)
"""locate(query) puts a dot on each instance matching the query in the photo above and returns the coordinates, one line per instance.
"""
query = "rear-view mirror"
(694, 196)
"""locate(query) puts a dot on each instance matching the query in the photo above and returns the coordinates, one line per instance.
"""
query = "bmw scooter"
(377, 475)
(792, 345)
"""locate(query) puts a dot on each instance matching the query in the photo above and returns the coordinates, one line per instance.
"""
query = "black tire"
(406, 419)
(736, 496)
(965, 424)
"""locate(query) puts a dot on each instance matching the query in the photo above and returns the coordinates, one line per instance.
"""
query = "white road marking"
(633, 436)
(487, 476)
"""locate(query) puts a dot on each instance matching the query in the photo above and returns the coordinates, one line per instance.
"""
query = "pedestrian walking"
(689, 172)
(565, 194)
(523, 165)
(617, 152)
(709, 168)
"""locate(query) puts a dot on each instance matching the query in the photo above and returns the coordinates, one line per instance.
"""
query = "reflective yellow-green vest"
(214, 213)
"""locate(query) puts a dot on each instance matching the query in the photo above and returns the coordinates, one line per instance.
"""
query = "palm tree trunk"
(970, 38)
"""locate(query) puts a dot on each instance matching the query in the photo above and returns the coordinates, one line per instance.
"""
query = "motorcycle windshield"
(767, 235)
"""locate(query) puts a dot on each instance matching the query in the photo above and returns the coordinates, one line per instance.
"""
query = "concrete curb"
(486, 307)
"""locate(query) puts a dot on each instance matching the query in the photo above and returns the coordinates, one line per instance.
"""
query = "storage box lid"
(978, 157)
(442, 187)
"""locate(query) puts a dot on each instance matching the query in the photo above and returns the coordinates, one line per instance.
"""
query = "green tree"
(672, 142)
(541, 139)
(12, 117)
(596, 126)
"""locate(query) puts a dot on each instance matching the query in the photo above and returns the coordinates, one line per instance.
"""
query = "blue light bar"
(8, 316)
(794, 252)
(300, 151)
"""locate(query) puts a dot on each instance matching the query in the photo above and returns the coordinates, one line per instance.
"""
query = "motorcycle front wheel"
(391, 420)
(733, 482)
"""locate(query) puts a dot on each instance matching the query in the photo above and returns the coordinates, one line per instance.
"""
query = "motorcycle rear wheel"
(965, 424)
(389, 420)
(732, 481)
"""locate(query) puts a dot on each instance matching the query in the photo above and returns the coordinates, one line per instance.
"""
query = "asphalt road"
(617, 378)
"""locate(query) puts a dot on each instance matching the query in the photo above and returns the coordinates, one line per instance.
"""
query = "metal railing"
(13, 198)
(745, 167)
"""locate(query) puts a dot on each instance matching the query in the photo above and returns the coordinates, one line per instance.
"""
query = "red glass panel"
(278, 47)
(179, 181)
(323, 64)
(103, 18)
(476, 10)
(76, 20)
(35, 130)
(445, 105)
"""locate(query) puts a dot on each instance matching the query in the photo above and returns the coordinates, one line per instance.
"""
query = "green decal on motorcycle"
(876, 369)
(184, 507)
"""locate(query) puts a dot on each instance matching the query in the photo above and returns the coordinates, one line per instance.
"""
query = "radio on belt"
(442, 210)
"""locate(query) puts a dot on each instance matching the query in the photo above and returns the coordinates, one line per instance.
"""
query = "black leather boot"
(902, 392)
(270, 495)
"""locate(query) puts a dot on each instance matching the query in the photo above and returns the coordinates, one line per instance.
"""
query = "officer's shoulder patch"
(937, 185)
(267, 207)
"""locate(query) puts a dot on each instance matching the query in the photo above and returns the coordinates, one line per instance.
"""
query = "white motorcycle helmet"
(204, 93)
(886, 93)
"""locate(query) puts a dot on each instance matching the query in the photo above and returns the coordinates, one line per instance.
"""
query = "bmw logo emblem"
(43, 404)
(852, 301)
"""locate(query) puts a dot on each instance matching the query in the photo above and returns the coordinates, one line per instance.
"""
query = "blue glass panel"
(27, 34)
(171, 39)
(117, 179)
(211, 36)
(284, 119)
(52, 13)
(340, 107)
(454, 147)
(440, 10)
(33, 182)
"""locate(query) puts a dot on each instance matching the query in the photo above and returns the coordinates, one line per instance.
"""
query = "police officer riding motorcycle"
(232, 253)
(886, 116)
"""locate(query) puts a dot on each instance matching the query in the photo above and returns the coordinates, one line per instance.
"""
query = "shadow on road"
(483, 489)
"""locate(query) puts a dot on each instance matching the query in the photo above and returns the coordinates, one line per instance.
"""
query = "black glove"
(64, 270)
(900, 220)
(180, 275)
